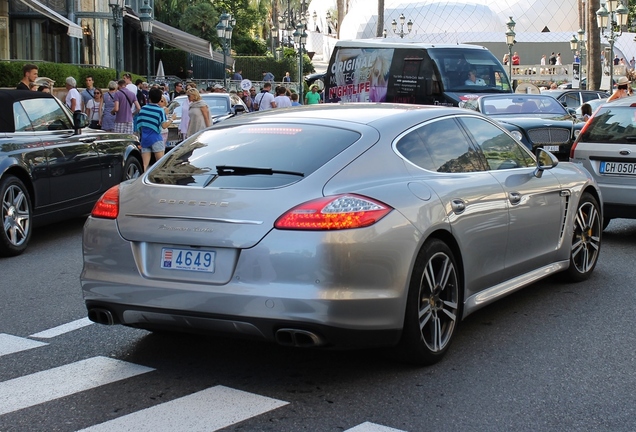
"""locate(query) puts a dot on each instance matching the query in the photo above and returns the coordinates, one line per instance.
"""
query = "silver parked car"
(343, 225)
(606, 148)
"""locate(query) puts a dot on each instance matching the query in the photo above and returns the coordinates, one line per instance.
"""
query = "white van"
(382, 70)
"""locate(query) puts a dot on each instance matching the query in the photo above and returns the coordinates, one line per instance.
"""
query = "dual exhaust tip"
(101, 316)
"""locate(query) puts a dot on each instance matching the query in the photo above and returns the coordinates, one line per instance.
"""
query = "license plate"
(172, 143)
(187, 259)
(620, 168)
(551, 148)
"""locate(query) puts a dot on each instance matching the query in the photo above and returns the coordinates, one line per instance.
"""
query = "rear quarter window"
(611, 125)
(291, 151)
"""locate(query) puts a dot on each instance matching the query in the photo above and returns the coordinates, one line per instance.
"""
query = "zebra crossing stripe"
(207, 410)
(12, 344)
(66, 380)
(65, 328)
(372, 427)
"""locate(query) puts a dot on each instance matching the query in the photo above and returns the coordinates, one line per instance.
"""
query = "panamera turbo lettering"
(184, 229)
(194, 203)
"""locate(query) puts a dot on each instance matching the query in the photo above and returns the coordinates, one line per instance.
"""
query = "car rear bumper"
(345, 292)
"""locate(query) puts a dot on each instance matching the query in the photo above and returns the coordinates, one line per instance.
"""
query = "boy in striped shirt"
(149, 122)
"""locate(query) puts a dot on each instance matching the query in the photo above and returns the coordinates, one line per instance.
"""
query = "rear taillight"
(108, 205)
(334, 213)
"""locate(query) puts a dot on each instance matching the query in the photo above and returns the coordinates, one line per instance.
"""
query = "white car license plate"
(187, 259)
(620, 168)
(551, 148)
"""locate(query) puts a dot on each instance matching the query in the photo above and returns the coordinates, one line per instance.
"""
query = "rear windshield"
(252, 156)
(611, 125)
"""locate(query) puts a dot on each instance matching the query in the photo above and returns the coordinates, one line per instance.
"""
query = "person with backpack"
(264, 100)
(125, 100)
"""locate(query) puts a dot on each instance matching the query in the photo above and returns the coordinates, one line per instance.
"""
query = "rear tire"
(586, 239)
(433, 305)
(16, 216)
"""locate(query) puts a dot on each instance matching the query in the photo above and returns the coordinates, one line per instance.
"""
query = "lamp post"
(118, 16)
(224, 32)
(577, 45)
(402, 33)
(145, 16)
(607, 19)
(510, 40)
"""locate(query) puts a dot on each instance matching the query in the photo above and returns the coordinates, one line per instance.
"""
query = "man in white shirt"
(281, 99)
(473, 79)
(265, 100)
(73, 98)
(132, 87)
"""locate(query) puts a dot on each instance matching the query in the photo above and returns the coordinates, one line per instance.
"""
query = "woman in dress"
(163, 103)
(108, 103)
(94, 109)
(198, 112)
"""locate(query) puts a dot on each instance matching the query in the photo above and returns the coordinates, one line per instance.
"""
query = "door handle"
(514, 197)
(458, 206)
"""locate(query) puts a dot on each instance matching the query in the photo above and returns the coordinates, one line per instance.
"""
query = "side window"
(571, 100)
(21, 119)
(440, 146)
(591, 96)
(45, 114)
(499, 150)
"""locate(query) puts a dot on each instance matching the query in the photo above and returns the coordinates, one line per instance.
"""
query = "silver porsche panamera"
(338, 226)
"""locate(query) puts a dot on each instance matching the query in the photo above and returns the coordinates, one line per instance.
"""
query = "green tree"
(200, 20)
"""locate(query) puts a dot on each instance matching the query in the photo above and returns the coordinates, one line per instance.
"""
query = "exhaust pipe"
(101, 316)
(299, 338)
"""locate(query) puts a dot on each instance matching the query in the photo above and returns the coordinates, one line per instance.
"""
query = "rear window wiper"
(229, 170)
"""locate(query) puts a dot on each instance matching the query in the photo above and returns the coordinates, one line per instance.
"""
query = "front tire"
(433, 305)
(586, 239)
(132, 168)
(16, 216)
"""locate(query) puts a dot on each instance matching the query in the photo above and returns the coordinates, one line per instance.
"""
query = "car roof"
(357, 112)
(559, 92)
(7, 98)
(402, 43)
(629, 101)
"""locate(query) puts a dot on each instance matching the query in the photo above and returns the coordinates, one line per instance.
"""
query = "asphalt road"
(553, 357)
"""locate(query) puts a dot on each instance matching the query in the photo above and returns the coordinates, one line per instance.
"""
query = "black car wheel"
(132, 168)
(433, 305)
(16, 216)
(586, 239)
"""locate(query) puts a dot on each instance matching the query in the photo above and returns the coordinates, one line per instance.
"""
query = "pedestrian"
(552, 61)
(237, 75)
(542, 70)
(44, 88)
(516, 61)
(89, 91)
(505, 59)
(149, 123)
(632, 63)
(29, 75)
(586, 111)
(163, 103)
(281, 99)
(287, 78)
(125, 102)
(108, 116)
(251, 97)
(73, 98)
(94, 108)
(294, 100)
(132, 87)
(185, 116)
(198, 112)
(268, 76)
(313, 97)
(622, 89)
(264, 100)
(178, 90)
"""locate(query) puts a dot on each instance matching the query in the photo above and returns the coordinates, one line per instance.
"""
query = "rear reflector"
(333, 213)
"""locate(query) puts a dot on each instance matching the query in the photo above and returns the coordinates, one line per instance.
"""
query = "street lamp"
(578, 45)
(607, 19)
(224, 33)
(145, 17)
(402, 33)
(510, 40)
(118, 16)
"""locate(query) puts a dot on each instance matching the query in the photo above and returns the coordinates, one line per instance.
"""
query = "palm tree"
(380, 27)
(594, 68)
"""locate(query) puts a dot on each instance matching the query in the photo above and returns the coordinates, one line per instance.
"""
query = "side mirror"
(80, 121)
(545, 161)
(238, 108)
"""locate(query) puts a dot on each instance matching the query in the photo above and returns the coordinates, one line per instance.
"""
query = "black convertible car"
(51, 166)
(538, 121)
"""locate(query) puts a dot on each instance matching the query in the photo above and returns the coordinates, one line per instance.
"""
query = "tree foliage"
(200, 20)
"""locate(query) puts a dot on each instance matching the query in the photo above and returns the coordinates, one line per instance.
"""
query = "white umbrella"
(161, 75)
